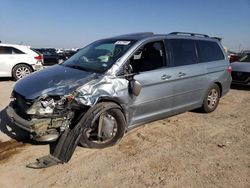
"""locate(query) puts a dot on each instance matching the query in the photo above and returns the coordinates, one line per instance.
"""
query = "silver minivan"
(116, 84)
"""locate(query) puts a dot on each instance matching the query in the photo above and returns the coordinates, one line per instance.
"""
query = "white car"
(17, 61)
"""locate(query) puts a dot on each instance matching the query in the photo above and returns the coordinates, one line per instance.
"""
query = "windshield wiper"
(77, 67)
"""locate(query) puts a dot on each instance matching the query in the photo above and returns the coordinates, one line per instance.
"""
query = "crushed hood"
(55, 80)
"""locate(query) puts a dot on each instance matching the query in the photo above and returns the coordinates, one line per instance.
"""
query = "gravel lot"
(188, 150)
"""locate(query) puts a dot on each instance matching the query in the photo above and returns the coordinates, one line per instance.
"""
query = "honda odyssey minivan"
(115, 84)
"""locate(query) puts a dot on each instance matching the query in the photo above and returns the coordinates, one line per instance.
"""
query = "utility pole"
(240, 47)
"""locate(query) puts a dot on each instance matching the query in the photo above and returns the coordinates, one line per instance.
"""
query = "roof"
(13, 45)
(144, 35)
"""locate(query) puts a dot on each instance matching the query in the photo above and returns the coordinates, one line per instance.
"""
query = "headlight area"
(51, 106)
(50, 115)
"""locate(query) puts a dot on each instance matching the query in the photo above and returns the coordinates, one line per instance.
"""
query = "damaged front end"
(64, 118)
(60, 103)
(48, 119)
(44, 118)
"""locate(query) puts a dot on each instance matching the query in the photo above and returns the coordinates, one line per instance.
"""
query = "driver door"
(156, 97)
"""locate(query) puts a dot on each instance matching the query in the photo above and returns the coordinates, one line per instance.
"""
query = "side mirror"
(134, 87)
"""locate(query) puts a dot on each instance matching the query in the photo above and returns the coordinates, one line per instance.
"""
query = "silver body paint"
(158, 98)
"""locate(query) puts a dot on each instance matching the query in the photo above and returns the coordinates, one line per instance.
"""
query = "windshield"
(99, 56)
(245, 58)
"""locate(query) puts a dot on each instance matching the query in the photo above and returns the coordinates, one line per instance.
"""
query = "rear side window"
(183, 52)
(16, 51)
(9, 50)
(209, 51)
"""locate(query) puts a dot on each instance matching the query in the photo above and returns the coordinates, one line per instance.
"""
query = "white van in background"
(17, 61)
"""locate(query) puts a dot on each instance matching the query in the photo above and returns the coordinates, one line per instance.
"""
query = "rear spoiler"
(217, 38)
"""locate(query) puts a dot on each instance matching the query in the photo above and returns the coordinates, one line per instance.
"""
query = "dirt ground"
(188, 150)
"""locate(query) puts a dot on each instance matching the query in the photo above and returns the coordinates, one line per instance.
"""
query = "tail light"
(39, 57)
(229, 69)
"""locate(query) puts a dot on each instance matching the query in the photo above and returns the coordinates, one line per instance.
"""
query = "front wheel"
(106, 126)
(211, 99)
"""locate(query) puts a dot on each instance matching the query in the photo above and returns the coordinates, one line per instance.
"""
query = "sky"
(75, 23)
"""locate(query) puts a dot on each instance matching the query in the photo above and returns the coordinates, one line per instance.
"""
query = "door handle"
(165, 77)
(181, 74)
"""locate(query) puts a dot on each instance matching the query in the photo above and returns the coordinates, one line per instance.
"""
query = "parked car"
(50, 56)
(18, 61)
(116, 84)
(233, 56)
(241, 69)
(68, 53)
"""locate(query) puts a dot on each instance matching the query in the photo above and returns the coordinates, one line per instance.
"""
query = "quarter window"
(209, 51)
(16, 51)
(183, 52)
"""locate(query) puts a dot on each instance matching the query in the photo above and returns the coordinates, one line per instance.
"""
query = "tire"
(93, 118)
(211, 99)
(20, 71)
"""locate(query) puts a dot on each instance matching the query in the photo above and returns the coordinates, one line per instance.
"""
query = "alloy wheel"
(212, 98)
(22, 72)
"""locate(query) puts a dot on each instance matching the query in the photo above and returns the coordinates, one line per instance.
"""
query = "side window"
(5, 50)
(209, 51)
(1, 50)
(183, 52)
(16, 51)
(150, 57)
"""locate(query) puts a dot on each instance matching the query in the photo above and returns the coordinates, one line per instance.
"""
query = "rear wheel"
(20, 71)
(211, 99)
(106, 126)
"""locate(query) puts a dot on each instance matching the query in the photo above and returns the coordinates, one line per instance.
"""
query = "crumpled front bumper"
(18, 120)
(37, 128)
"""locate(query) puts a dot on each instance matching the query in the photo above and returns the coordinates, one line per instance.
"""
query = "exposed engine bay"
(47, 117)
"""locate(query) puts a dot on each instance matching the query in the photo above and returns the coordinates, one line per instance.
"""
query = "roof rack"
(191, 34)
(141, 33)
(137, 34)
